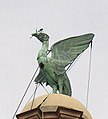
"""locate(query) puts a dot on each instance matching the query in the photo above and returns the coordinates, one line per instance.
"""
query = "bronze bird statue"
(63, 53)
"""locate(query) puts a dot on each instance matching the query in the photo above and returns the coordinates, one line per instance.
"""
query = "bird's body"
(52, 69)
(51, 77)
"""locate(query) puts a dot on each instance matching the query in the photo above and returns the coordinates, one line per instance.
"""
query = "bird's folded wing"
(41, 77)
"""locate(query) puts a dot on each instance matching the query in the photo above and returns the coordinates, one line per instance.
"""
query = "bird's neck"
(42, 55)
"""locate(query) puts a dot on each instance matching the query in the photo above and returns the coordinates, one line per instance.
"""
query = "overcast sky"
(60, 19)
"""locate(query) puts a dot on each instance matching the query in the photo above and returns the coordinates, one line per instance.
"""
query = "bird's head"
(40, 35)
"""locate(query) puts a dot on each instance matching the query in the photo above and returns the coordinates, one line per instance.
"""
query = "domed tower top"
(56, 106)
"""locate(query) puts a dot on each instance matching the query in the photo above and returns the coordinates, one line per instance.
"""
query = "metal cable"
(89, 77)
(44, 88)
(72, 63)
(34, 94)
(25, 93)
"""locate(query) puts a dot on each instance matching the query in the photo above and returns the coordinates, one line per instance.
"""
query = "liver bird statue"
(63, 53)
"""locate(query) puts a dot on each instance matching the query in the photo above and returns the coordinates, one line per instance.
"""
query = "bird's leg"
(60, 83)
(67, 87)
(54, 88)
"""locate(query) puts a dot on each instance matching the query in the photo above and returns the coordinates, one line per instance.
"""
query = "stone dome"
(53, 101)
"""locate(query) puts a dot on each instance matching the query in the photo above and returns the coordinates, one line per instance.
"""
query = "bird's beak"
(31, 37)
(33, 34)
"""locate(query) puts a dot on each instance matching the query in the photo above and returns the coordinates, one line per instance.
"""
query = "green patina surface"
(52, 69)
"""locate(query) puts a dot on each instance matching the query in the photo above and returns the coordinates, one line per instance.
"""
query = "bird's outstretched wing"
(66, 51)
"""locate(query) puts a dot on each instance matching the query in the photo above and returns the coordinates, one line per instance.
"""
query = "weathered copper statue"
(63, 53)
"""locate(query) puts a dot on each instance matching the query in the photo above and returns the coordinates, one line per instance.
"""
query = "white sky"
(60, 19)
